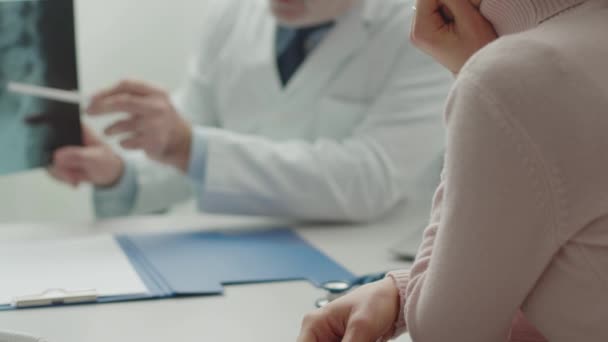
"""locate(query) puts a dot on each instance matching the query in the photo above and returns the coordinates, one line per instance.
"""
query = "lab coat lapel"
(326, 60)
(258, 66)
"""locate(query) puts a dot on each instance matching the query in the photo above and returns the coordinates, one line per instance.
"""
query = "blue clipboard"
(202, 263)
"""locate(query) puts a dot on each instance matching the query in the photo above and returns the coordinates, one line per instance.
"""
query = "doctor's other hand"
(451, 31)
(153, 124)
(94, 163)
(367, 314)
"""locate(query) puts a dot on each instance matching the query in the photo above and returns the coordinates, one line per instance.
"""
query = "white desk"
(266, 312)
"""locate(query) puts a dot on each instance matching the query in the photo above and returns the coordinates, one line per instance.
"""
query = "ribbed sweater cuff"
(401, 279)
(512, 16)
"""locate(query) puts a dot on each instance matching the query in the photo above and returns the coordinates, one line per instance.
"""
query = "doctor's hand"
(451, 31)
(153, 124)
(95, 163)
(368, 314)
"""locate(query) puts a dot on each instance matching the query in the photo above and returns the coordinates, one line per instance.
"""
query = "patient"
(519, 228)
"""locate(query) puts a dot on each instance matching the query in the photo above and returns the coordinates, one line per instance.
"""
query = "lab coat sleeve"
(357, 178)
(117, 200)
(145, 187)
(155, 187)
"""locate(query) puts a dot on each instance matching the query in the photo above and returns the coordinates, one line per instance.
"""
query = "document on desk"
(75, 264)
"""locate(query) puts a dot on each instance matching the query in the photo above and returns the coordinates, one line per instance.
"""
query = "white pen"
(67, 96)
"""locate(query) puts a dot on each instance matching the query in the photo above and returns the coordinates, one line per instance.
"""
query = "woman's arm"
(496, 232)
(492, 235)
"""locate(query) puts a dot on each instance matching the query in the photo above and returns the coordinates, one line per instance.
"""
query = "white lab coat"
(352, 135)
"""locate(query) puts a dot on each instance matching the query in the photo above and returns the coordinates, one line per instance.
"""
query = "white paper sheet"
(75, 264)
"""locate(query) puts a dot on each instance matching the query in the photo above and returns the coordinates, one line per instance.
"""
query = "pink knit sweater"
(520, 220)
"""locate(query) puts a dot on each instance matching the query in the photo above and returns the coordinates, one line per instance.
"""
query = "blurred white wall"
(146, 39)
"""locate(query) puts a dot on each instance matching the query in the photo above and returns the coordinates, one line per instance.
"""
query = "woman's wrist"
(400, 280)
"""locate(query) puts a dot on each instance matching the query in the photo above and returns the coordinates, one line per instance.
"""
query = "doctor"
(312, 110)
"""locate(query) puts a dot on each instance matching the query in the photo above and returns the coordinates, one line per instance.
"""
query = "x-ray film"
(37, 47)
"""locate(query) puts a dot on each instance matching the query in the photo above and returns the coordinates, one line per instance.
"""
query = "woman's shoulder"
(524, 76)
(517, 82)
(516, 61)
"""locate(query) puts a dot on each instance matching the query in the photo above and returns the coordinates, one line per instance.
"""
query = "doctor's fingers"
(137, 141)
(73, 156)
(65, 175)
(88, 161)
(127, 103)
(89, 137)
(78, 176)
(70, 165)
(132, 87)
(134, 124)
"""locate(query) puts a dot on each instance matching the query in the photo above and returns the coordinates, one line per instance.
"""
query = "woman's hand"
(365, 315)
(451, 31)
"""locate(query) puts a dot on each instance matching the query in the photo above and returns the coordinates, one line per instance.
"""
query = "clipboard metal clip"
(55, 297)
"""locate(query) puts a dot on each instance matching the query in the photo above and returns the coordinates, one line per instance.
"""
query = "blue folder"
(201, 263)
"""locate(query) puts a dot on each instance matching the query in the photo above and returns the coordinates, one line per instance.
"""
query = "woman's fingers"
(428, 17)
(307, 336)
(360, 330)
(450, 30)
(427, 7)
(316, 328)
(427, 24)
(469, 21)
(461, 9)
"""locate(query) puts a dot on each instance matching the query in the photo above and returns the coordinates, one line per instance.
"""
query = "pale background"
(147, 39)
(152, 39)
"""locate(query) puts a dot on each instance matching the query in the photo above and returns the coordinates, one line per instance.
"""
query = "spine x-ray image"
(37, 47)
